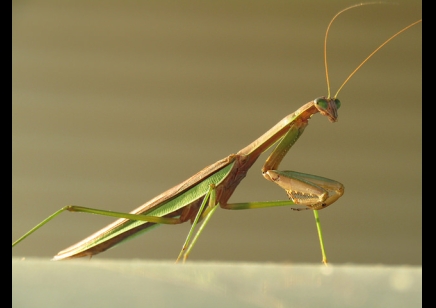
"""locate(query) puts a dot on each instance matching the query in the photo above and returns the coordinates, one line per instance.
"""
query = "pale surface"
(133, 283)
(115, 102)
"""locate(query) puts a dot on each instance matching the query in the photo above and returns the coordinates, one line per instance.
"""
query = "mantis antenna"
(367, 58)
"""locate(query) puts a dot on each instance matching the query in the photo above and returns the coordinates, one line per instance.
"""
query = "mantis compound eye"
(322, 102)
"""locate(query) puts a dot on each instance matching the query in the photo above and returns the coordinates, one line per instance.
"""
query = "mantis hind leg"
(81, 209)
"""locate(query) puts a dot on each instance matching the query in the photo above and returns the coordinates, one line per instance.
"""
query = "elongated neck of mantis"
(298, 118)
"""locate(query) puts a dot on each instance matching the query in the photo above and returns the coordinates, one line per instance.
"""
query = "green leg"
(209, 198)
(81, 209)
(321, 241)
(194, 240)
(258, 205)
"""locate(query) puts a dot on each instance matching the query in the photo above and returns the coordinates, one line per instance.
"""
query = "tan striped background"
(115, 103)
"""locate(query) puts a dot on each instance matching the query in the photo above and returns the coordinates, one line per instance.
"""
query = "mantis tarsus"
(197, 198)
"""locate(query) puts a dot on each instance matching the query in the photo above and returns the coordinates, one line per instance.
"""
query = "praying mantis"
(198, 197)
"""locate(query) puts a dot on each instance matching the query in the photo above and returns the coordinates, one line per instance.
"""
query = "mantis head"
(328, 107)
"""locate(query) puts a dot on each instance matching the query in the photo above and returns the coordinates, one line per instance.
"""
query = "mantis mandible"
(198, 197)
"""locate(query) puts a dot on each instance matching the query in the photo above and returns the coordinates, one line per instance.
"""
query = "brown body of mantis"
(198, 197)
(303, 189)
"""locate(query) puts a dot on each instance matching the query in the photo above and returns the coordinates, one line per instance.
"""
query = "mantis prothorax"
(197, 198)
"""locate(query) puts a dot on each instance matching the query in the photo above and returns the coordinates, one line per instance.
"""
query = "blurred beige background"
(115, 102)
